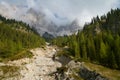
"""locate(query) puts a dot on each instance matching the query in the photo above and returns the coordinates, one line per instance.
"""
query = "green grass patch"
(19, 55)
(23, 54)
(8, 72)
(112, 74)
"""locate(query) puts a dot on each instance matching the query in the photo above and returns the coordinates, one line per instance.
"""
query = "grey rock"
(90, 75)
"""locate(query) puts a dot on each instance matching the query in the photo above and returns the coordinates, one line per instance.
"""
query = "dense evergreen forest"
(16, 36)
(98, 42)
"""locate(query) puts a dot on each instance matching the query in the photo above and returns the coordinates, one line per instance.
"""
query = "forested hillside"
(16, 37)
(98, 42)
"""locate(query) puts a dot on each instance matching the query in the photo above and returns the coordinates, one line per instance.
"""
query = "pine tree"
(83, 47)
(112, 62)
(103, 52)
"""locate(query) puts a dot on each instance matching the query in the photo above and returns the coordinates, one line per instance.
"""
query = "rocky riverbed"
(44, 66)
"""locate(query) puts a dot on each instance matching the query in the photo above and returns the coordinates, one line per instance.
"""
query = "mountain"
(47, 36)
(38, 19)
(69, 29)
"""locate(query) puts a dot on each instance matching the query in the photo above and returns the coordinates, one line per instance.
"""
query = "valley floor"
(37, 68)
(41, 65)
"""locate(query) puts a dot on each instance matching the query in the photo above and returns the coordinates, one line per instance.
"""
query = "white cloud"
(69, 10)
(31, 3)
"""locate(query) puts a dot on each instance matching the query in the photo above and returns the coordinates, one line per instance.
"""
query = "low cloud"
(65, 11)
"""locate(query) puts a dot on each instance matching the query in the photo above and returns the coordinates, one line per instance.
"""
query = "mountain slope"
(99, 42)
(109, 22)
(15, 37)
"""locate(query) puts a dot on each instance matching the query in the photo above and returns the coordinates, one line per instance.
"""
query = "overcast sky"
(68, 10)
